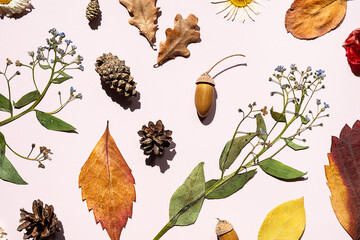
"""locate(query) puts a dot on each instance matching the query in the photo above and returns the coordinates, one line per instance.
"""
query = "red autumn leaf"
(352, 47)
(343, 178)
(107, 185)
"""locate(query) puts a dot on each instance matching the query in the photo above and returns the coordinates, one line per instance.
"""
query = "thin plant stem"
(207, 72)
(32, 107)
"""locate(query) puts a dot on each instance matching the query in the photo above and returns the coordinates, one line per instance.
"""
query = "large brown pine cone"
(113, 71)
(154, 138)
(40, 224)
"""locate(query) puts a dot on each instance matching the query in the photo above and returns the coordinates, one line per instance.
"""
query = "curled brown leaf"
(179, 38)
(144, 15)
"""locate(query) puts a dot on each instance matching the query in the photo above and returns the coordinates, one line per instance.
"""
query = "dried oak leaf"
(178, 39)
(309, 19)
(107, 185)
(144, 15)
(343, 178)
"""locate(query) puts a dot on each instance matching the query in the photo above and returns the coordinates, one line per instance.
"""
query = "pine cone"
(92, 10)
(40, 224)
(113, 71)
(154, 138)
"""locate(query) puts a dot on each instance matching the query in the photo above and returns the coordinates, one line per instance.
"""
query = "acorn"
(205, 88)
(225, 231)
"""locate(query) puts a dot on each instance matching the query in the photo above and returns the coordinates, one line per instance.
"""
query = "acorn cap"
(223, 227)
(205, 78)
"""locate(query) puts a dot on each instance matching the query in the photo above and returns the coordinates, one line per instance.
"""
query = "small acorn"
(225, 231)
(205, 88)
(204, 94)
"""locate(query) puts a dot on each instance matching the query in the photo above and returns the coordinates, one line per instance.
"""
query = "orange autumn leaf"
(178, 39)
(107, 185)
(309, 19)
(343, 178)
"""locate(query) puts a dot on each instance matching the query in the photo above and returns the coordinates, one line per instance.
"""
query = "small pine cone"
(92, 10)
(154, 138)
(113, 71)
(40, 224)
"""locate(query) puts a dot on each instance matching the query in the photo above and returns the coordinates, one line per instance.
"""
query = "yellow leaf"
(286, 221)
(107, 185)
(309, 19)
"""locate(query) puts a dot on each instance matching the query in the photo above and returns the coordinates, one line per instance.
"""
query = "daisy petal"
(231, 13)
(253, 8)
(249, 13)
(224, 1)
(223, 8)
(243, 14)
(236, 12)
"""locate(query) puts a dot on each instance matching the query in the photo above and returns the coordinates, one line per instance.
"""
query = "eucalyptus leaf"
(260, 126)
(53, 123)
(27, 98)
(7, 170)
(280, 170)
(294, 146)
(44, 66)
(230, 187)
(63, 78)
(186, 202)
(229, 155)
(304, 120)
(279, 117)
(5, 104)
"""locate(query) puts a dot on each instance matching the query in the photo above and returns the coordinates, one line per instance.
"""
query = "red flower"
(352, 47)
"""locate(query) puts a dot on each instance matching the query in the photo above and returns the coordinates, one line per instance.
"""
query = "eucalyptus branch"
(197, 190)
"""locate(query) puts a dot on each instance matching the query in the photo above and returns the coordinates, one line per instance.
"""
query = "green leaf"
(5, 104)
(279, 117)
(53, 123)
(280, 170)
(7, 170)
(9, 173)
(44, 66)
(186, 202)
(63, 78)
(297, 108)
(2, 147)
(230, 187)
(229, 155)
(260, 126)
(304, 120)
(294, 146)
(27, 98)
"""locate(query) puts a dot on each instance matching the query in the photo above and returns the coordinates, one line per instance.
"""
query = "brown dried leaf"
(144, 14)
(107, 185)
(179, 38)
(309, 19)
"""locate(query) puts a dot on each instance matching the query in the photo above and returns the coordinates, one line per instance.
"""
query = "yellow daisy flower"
(10, 7)
(239, 8)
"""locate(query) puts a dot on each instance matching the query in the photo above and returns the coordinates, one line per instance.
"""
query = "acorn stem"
(223, 60)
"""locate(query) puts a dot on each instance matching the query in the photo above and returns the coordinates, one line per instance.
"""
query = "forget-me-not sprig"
(53, 59)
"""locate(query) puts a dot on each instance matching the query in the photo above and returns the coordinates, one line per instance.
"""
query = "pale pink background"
(167, 93)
